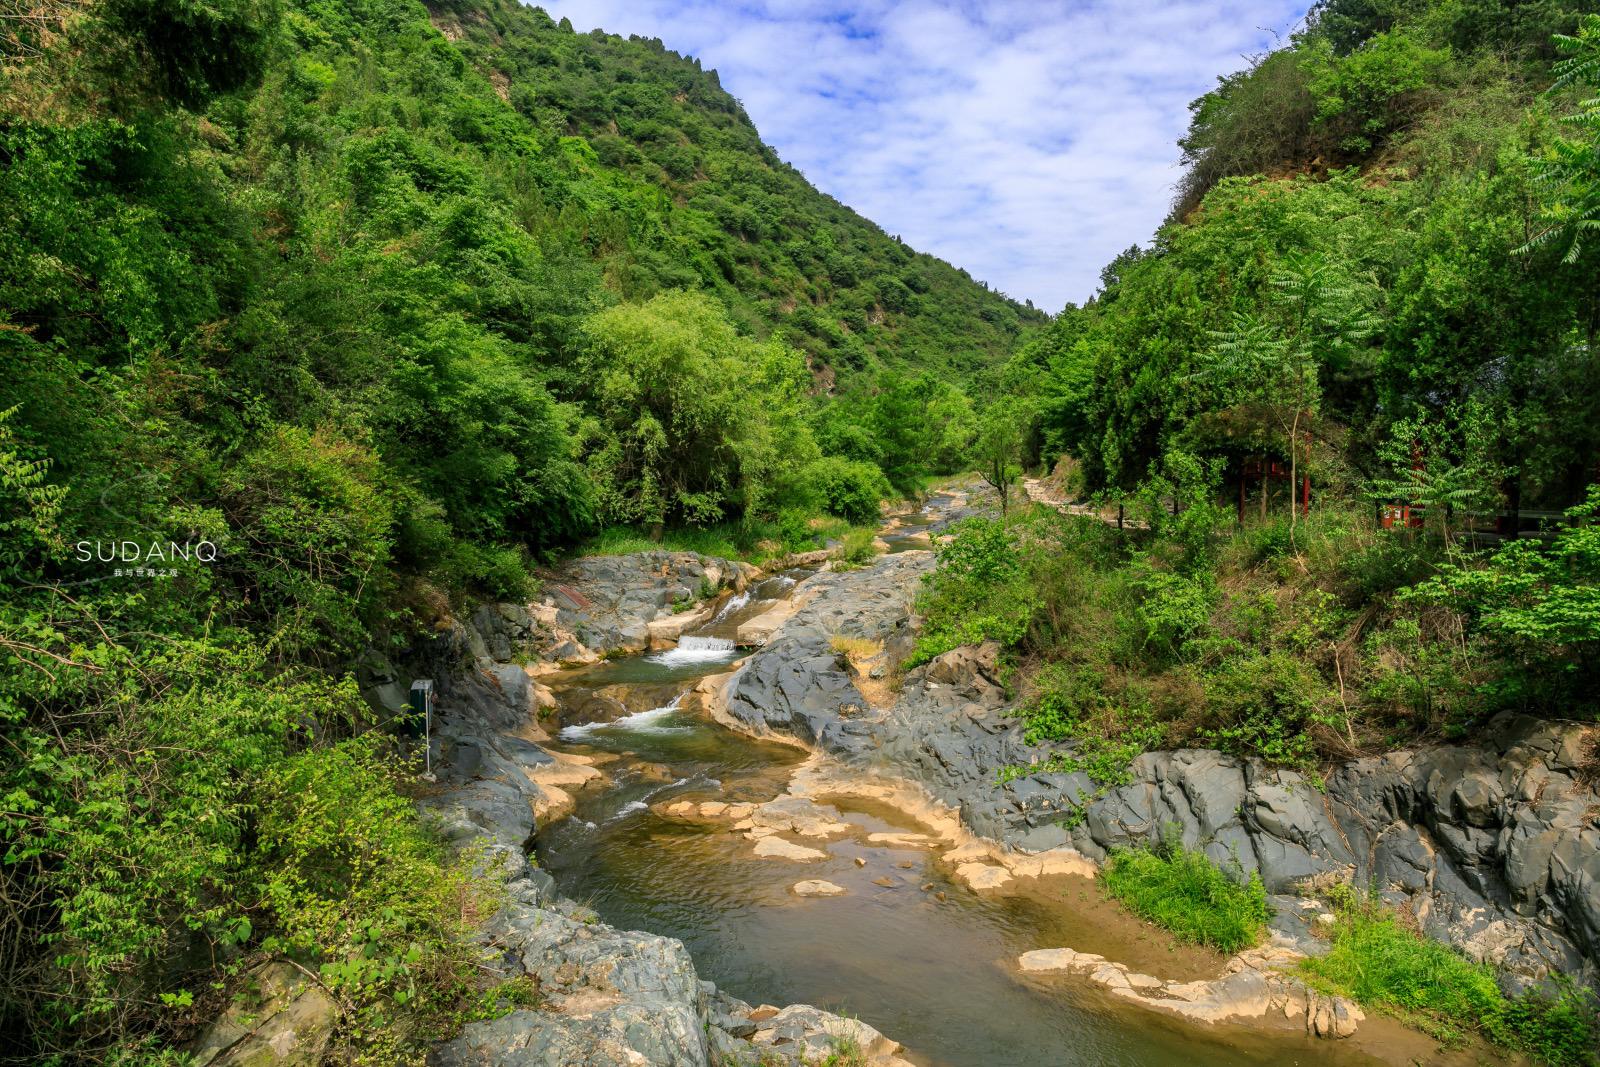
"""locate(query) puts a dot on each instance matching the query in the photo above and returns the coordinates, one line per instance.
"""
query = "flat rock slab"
(1048, 959)
(777, 848)
(983, 876)
(816, 887)
(1252, 988)
(1056, 861)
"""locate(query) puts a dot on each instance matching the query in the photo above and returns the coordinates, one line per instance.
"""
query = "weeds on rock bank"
(1186, 894)
(1344, 641)
(1382, 963)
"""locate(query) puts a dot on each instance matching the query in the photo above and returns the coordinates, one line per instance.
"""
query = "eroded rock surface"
(1493, 847)
(607, 998)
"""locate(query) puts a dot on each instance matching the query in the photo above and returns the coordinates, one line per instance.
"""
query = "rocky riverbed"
(1492, 848)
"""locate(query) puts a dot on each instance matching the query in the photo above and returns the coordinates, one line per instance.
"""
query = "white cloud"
(1028, 141)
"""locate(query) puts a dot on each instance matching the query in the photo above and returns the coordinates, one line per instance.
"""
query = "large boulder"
(279, 1018)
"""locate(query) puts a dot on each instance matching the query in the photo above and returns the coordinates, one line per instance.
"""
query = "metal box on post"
(419, 718)
(419, 708)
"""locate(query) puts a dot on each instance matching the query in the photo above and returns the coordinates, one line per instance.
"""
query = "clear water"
(914, 531)
(936, 974)
(656, 668)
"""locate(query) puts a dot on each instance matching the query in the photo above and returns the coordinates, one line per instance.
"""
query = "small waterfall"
(695, 649)
(696, 643)
(734, 604)
(643, 722)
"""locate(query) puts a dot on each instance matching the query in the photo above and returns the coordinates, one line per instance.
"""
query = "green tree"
(997, 451)
(1315, 315)
(1569, 168)
(691, 421)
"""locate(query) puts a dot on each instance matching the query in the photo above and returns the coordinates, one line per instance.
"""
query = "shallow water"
(654, 668)
(914, 531)
(935, 974)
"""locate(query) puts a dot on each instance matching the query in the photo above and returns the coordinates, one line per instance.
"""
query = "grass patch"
(1186, 894)
(845, 1051)
(753, 541)
(1384, 965)
(626, 540)
(855, 649)
(857, 547)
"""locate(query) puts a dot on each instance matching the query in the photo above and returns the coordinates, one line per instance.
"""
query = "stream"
(905, 948)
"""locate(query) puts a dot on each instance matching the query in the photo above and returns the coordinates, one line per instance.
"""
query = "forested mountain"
(380, 306)
(709, 205)
(1345, 392)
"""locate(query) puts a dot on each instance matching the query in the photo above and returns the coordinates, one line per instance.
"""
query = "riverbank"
(913, 761)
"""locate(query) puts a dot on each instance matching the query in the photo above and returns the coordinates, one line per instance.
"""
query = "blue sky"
(1028, 142)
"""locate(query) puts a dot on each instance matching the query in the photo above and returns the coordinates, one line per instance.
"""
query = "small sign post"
(421, 707)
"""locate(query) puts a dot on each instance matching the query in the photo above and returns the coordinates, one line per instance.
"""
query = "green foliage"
(979, 591)
(908, 426)
(1444, 466)
(1382, 964)
(673, 188)
(1171, 609)
(856, 548)
(193, 49)
(1569, 169)
(1186, 894)
(997, 451)
(173, 806)
(1104, 729)
(1361, 97)
(1263, 705)
(311, 530)
(694, 422)
(849, 489)
(1346, 301)
(1538, 608)
(349, 878)
(1409, 298)
(1317, 315)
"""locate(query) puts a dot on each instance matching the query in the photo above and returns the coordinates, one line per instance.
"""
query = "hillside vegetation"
(1381, 285)
(369, 308)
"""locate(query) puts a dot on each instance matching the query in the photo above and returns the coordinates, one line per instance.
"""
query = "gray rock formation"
(605, 603)
(608, 998)
(1493, 847)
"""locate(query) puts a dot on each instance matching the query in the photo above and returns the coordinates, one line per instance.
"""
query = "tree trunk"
(1263, 487)
(1294, 471)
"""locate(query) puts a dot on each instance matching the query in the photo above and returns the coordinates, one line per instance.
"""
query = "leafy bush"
(1172, 609)
(979, 591)
(1364, 95)
(1105, 722)
(175, 819)
(856, 548)
(1185, 893)
(850, 489)
(1263, 705)
(350, 879)
(1537, 608)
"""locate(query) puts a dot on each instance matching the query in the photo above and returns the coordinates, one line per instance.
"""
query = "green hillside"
(707, 204)
(1377, 297)
(384, 306)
